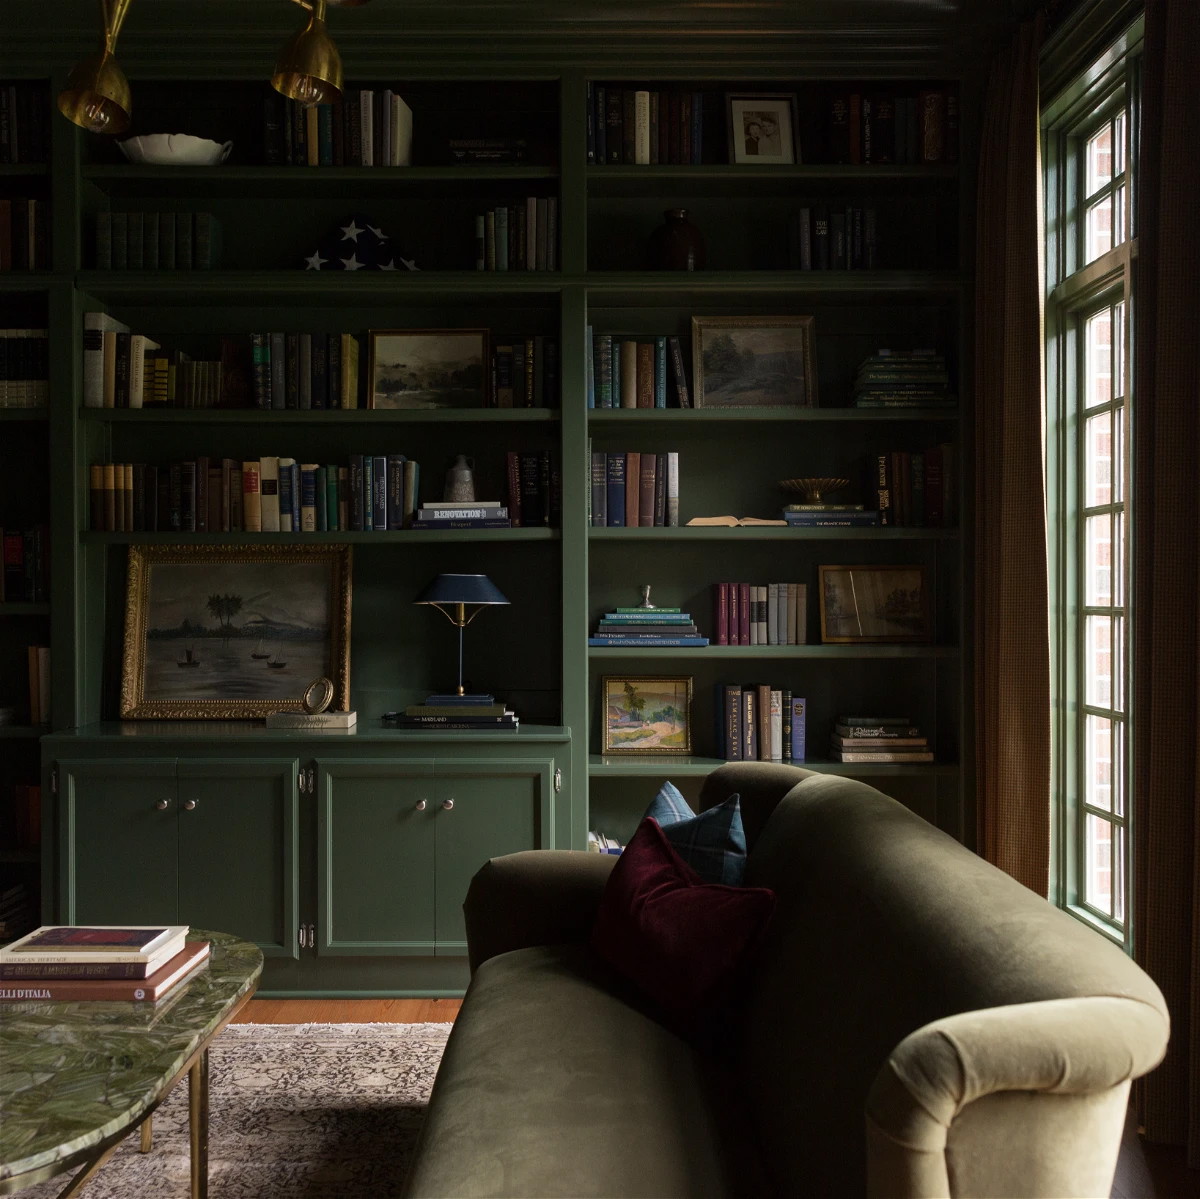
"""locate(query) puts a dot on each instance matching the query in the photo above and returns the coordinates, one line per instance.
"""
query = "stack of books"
(470, 514)
(878, 739)
(601, 843)
(69, 963)
(903, 379)
(830, 516)
(646, 628)
(438, 712)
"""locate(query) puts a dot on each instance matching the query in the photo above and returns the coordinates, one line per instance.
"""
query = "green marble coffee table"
(77, 1078)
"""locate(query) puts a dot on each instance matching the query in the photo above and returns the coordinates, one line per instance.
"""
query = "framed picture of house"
(762, 128)
(234, 631)
(882, 604)
(428, 368)
(753, 362)
(646, 714)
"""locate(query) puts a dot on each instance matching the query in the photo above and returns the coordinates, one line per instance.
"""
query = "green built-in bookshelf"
(915, 292)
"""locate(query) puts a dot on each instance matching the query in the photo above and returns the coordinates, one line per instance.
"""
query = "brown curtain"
(1166, 599)
(1012, 656)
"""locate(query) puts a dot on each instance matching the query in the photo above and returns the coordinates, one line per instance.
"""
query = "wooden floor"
(1143, 1172)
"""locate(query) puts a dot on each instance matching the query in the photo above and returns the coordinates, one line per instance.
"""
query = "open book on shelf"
(734, 520)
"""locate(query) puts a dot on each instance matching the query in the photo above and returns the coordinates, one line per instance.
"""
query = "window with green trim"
(1090, 158)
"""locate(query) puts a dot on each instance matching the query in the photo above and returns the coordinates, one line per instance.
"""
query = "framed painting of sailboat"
(233, 632)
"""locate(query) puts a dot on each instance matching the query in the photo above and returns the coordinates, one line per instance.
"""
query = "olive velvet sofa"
(915, 1023)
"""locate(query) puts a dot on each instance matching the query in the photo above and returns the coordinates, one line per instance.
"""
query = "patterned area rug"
(297, 1111)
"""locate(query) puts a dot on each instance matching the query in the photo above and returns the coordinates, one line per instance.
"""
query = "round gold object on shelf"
(318, 695)
(813, 490)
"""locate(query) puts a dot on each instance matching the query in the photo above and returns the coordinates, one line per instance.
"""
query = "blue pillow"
(712, 843)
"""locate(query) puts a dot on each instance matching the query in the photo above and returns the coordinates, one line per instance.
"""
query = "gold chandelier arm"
(303, 4)
(114, 17)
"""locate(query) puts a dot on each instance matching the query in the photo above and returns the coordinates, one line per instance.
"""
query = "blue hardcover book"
(615, 477)
(588, 349)
(379, 493)
(321, 481)
(599, 489)
(831, 520)
(648, 617)
(797, 722)
(288, 515)
(395, 491)
(660, 372)
(649, 642)
(356, 493)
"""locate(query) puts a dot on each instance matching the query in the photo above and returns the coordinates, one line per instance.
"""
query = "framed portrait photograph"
(753, 361)
(234, 632)
(874, 604)
(646, 714)
(428, 368)
(762, 128)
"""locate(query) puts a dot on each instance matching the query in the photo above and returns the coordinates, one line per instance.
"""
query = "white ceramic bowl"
(175, 149)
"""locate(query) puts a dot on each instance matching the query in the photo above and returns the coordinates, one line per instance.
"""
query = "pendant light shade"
(309, 68)
(97, 95)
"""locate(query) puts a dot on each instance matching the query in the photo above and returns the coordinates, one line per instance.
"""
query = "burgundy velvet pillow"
(681, 940)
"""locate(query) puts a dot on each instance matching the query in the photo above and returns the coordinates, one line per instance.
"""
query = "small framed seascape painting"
(646, 714)
(234, 632)
(753, 362)
(428, 368)
(878, 604)
(762, 128)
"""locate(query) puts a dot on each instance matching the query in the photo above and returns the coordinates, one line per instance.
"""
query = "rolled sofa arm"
(1024, 1099)
(535, 897)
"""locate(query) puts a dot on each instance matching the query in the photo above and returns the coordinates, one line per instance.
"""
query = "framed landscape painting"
(874, 604)
(233, 631)
(428, 368)
(645, 714)
(753, 361)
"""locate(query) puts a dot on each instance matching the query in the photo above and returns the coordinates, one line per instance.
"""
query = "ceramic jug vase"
(460, 481)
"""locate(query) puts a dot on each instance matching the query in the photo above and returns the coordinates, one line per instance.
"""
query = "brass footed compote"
(813, 490)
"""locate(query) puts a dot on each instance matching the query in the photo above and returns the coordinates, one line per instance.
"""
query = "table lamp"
(452, 595)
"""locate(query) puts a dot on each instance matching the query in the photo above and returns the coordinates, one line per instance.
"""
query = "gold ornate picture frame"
(753, 362)
(233, 632)
(882, 605)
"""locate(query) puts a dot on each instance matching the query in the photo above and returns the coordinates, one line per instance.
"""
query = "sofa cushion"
(556, 1081)
(679, 939)
(712, 843)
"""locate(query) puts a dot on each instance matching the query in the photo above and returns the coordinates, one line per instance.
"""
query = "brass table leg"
(147, 1135)
(198, 1124)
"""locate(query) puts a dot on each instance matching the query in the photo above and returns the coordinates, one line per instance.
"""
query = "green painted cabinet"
(208, 842)
(398, 842)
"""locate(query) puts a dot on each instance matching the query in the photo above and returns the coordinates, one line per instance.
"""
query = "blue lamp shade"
(461, 589)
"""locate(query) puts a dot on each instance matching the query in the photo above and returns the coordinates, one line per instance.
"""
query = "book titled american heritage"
(96, 943)
(59, 989)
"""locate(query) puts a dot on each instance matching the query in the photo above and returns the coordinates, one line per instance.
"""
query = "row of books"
(448, 713)
(828, 515)
(20, 824)
(760, 613)
(24, 124)
(367, 127)
(917, 488)
(24, 234)
(518, 237)
(631, 489)
(71, 963)
(644, 126)
(628, 371)
(602, 843)
(878, 739)
(157, 241)
(647, 628)
(24, 368)
(37, 664)
(902, 379)
(25, 578)
(905, 126)
(828, 238)
(18, 913)
(759, 723)
(373, 493)
(301, 370)
(525, 372)
(130, 370)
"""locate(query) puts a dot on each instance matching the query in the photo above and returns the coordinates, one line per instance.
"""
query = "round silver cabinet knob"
(420, 805)
(163, 804)
(448, 804)
(189, 805)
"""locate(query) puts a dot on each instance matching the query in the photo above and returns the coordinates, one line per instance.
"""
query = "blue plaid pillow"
(712, 843)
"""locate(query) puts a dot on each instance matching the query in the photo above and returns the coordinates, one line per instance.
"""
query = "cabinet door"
(499, 807)
(117, 840)
(375, 857)
(237, 849)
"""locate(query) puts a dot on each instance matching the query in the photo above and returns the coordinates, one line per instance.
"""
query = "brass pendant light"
(97, 93)
(309, 68)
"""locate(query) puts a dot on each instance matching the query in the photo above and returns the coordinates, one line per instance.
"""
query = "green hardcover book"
(120, 241)
(134, 246)
(104, 226)
(332, 511)
(206, 242)
(166, 241)
(150, 223)
(183, 241)
(321, 499)
(656, 608)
